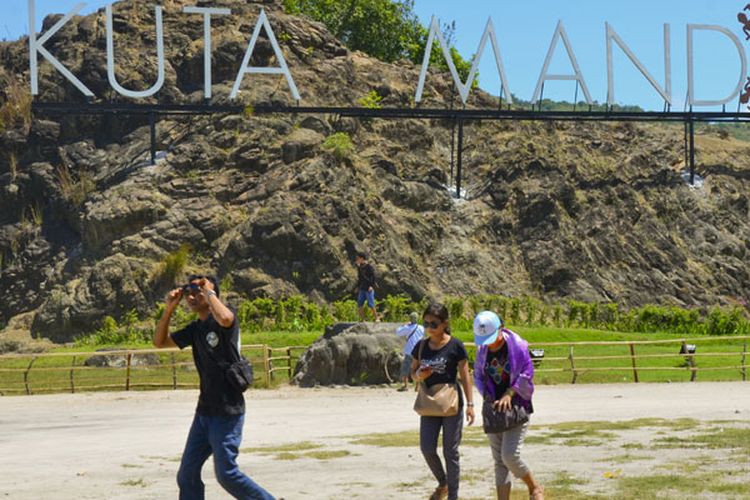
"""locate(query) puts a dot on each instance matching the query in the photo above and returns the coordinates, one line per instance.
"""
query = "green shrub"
(173, 266)
(723, 322)
(340, 145)
(371, 100)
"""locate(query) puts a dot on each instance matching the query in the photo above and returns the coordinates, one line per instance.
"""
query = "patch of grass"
(679, 486)
(173, 265)
(594, 427)
(340, 145)
(317, 455)
(327, 454)
(626, 458)
(406, 439)
(131, 466)
(689, 467)
(138, 483)
(632, 446)
(716, 438)
(284, 448)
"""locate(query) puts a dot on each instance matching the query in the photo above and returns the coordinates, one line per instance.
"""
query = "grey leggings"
(429, 430)
(506, 450)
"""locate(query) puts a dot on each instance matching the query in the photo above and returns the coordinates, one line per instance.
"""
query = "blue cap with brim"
(486, 327)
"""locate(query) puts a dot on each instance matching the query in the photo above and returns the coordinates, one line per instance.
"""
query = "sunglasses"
(432, 324)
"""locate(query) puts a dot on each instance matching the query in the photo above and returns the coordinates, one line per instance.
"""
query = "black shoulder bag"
(238, 373)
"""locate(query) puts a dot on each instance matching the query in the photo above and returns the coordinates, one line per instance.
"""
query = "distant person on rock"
(413, 332)
(365, 286)
(218, 421)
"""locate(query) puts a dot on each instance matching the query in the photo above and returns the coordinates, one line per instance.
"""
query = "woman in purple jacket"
(504, 375)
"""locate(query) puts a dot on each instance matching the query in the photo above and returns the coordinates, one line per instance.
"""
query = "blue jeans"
(365, 295)
(220, 436)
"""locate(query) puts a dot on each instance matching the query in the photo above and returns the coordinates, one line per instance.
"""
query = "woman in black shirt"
(438, 360)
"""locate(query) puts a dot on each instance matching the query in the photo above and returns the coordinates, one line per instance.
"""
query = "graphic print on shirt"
(499, 374)
(212, 339)
(439, 365)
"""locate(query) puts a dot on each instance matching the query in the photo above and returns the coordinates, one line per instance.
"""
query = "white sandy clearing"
(127, 445)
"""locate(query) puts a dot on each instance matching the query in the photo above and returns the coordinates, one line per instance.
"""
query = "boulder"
(352, 354)
(121, 360)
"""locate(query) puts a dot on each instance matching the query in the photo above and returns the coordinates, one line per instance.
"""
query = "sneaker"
(440, 493)
(402, 389)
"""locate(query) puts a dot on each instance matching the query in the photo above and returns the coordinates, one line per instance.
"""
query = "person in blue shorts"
(366, 285)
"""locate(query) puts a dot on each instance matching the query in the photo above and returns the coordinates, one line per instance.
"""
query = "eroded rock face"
(587, 211)
(352, 354)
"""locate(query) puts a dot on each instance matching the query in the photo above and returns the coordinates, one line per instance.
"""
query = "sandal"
(440, 493)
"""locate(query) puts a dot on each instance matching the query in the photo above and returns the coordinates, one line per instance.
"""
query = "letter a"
(561, 33)
(283, 69)
(37, 47)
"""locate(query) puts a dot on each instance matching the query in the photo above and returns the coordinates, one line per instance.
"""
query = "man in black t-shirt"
(217, 425)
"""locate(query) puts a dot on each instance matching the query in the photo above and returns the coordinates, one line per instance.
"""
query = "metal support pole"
(152, 124)
(687, 146)
(459, 162)
(692, 152)
(575, 99)
(453, 149)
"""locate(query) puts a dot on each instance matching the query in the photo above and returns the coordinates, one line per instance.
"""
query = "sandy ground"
(127, 445)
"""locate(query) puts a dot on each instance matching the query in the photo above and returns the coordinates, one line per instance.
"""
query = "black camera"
(190, 288)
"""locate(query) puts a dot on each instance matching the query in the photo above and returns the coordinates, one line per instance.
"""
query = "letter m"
(463, 88)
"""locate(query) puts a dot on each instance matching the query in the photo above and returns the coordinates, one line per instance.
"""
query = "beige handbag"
(439, 400)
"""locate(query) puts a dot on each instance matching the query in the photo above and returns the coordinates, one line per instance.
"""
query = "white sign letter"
(207, 11)
(666, 92)
(283, 69)
(111, 58)
(463, 88)
(691, 69)
(561, 33)
(37, 47)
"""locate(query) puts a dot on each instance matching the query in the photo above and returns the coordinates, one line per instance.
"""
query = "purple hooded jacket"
(521, 370)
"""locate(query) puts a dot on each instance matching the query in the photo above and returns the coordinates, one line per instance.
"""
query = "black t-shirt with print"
(213, 344)
(444, 361)
(497, 368)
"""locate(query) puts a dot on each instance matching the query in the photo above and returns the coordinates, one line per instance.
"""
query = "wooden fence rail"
(282, 359)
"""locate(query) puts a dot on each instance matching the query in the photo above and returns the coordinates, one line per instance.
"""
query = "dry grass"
(15, 108)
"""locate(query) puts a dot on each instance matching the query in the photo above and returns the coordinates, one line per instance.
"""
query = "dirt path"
(127, 445)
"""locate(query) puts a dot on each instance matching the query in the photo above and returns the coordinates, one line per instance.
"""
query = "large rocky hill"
(88, 228)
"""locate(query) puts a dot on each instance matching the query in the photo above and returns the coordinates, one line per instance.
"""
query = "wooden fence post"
(127, 376)
(173, 358)
(632, 359)
(26, 376)
(744, 353)
(72, 371)
(266, 365)
(289, 355)
(572, 365)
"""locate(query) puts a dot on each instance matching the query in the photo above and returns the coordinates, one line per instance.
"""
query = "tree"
(388, 30)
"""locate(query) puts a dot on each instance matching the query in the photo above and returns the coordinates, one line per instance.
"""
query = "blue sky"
(525, 30)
